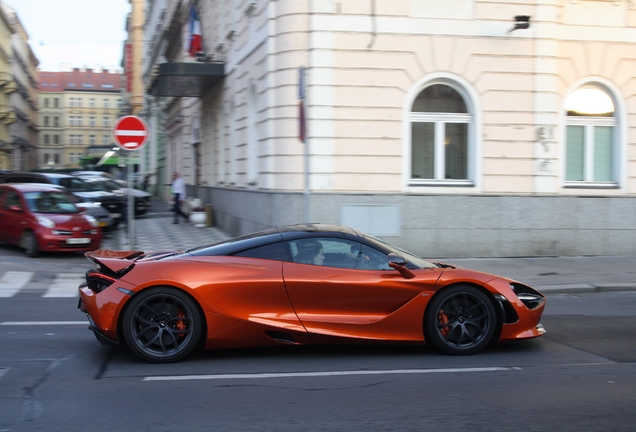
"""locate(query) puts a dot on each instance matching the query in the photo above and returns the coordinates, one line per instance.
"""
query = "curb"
(586, 288)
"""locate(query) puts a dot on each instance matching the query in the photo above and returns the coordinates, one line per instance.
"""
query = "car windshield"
(50, 202)
(413, 259)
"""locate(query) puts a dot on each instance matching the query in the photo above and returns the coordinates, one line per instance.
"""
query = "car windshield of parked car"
(413, 259)
(50, 202)
(78, 185)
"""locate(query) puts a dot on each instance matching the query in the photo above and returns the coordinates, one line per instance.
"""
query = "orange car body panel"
(243, 298)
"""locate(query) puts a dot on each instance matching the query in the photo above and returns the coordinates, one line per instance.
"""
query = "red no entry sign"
(130, 132)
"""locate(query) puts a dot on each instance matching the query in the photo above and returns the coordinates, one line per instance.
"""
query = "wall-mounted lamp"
(522, 22)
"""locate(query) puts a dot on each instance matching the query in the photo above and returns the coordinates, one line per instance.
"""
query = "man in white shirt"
(179, 193)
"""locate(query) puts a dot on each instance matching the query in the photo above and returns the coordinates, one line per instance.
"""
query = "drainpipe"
(373, 24)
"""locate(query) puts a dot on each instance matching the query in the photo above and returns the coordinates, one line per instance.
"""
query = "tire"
(460, 320)
(30, 244)
(162, 325)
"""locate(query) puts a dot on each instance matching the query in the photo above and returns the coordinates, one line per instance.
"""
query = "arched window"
(591, 153)
(441, 136)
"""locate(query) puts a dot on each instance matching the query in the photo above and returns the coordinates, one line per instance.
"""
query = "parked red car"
(40, 217)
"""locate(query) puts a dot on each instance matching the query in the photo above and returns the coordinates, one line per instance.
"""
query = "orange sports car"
(299, 284)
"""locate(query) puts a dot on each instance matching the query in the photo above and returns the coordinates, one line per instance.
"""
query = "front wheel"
(30, 244)
(162, 325)
(460, 320)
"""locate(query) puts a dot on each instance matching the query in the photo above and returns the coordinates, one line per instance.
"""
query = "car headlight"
(45, 222)
(91, 220)
(530, 297)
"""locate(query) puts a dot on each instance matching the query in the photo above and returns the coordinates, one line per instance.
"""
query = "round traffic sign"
(130, 132)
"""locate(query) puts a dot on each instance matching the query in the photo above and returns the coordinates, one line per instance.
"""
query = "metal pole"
(131, 203)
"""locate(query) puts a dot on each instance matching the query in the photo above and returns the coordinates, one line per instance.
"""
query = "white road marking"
(39, 323)
(65, 285)
(13, 281)
(322, 374)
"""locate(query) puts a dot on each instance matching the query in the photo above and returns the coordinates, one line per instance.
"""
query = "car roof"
(36, 174)
(32, 187)
(316, 228)
(272, 235)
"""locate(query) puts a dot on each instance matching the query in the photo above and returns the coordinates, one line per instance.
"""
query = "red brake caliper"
(442, 318)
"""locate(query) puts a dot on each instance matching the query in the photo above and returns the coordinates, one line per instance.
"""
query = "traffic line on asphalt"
(323, 374)
(39, 323)
(65, 285)
(13, 281)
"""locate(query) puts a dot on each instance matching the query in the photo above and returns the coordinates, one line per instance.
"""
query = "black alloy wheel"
(162, 325)
(460, 320)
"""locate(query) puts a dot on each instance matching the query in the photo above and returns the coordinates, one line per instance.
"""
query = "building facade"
(23, 101)
(7, 86)
(454, 128)
(77, 114)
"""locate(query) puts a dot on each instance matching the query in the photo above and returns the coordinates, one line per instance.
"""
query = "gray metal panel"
(186, 79)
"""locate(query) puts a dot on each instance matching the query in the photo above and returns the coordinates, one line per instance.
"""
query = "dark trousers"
(177, 209)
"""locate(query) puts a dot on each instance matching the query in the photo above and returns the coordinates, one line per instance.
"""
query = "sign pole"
(131, 202)
(302, 118)
(130, 133)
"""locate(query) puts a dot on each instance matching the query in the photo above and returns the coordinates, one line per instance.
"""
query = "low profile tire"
(30, 244)
(460, 320)
(162, 325)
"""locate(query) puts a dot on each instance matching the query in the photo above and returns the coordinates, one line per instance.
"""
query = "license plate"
(78, 241)
(115, 215)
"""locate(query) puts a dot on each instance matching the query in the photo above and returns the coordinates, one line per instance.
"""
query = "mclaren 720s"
(299, 284)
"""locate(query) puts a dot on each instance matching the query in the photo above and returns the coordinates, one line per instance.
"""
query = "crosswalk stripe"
(13, 281)
(65, 285)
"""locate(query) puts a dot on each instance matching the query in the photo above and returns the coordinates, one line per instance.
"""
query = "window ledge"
(444, 183)
(591, 185)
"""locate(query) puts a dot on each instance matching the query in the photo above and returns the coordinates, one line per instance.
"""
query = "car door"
(354, 293)
(13, 217)
(3, 225)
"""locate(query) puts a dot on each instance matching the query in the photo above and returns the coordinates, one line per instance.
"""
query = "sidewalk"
(155, 232)
(552, 275)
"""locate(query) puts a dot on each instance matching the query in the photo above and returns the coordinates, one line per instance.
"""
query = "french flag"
(195, 33)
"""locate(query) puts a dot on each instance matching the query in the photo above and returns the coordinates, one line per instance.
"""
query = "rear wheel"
(30, 244)
(162, 325)
(460, 320)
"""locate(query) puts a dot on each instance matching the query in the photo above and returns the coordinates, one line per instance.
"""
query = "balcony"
(10, 86)
(9, 118)
(185, 79)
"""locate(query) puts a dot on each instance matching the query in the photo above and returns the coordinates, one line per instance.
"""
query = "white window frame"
(618, 122)
(473, 118)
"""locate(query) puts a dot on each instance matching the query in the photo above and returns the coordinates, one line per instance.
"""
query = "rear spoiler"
(110, 261)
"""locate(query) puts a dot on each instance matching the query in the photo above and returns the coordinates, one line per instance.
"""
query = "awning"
(185, 79)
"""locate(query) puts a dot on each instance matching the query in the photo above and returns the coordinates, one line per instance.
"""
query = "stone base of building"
(440, 226)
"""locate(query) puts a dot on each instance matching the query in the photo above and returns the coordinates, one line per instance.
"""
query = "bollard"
(208, 213)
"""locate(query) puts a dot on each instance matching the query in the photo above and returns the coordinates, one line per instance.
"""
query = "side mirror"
(15, 208)
(398, 263)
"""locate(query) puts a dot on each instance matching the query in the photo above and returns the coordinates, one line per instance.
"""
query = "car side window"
(336, 252)
(274, 251)
(13, 200)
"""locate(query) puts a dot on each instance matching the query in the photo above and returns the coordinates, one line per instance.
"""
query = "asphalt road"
(55, 376)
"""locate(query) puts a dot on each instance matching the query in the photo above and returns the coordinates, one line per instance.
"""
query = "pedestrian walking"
(178, 193)
(146, 182)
